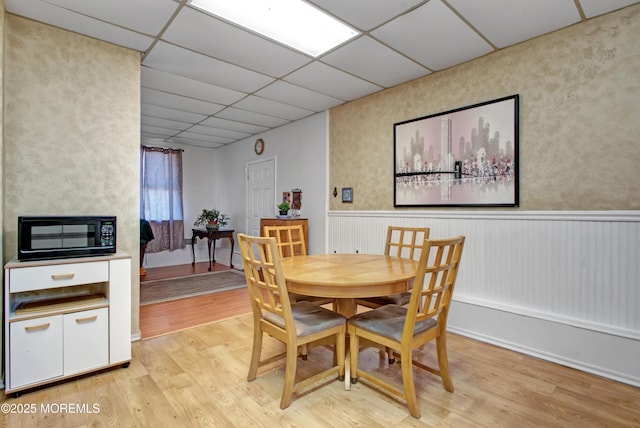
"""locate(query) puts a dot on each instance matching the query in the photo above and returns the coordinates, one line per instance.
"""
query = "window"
(161, 197)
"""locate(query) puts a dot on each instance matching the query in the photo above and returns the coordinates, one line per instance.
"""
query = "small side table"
(211, 235)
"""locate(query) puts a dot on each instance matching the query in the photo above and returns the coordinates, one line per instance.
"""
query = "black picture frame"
(347, 194)
(480, 167)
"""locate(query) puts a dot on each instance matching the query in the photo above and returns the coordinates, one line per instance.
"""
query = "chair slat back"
(406, 242)
(290, 239)
(264, 275)
(435, 281)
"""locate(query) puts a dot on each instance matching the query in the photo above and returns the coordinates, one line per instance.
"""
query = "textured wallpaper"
(579, 118)
(72, 132)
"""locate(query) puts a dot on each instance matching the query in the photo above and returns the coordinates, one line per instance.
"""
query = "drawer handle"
(63, 276)
(37, 327)
(86, 319)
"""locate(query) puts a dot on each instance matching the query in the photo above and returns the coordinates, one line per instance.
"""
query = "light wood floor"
(197, 378)
(169, 317)
(180, 270)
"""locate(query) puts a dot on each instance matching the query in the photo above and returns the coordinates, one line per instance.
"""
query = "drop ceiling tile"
(169, 113)
(251, 117)
(365, 14)
(434, 36)
(272, 108)
(162, 81)
(173, 59)
(289, 93)
(217, 122)
(203, 137)
(166, 132)
(375, 62)
(69, 20)
(164, 99)
(150, 138)
(203, 33)
(219, 132)
(331, 81)
(593, 8)
(164, 123)
(145, 16)
(195, 143)
(508, 23)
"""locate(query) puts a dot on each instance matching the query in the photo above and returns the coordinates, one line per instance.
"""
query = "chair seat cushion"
(400, 299)
(388, 321)
(309, 318)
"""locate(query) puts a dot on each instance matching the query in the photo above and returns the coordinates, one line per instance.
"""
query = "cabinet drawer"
(35, 350)
(86, 340)
(52, 276)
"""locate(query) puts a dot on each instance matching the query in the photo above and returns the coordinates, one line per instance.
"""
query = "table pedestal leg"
(346, 307)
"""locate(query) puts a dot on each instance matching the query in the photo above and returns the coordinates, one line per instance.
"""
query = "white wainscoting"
(563, 286)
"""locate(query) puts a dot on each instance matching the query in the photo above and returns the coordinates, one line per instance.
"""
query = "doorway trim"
(247, 190)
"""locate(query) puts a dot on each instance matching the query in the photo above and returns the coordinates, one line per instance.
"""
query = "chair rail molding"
(559, 285)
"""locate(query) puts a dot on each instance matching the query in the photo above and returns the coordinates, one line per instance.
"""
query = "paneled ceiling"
(207, 82)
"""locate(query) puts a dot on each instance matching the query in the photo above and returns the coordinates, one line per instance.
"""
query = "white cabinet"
(86, 340)
(65, 318)
(36, 350)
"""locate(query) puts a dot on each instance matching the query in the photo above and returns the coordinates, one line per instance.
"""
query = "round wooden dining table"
(346, 277)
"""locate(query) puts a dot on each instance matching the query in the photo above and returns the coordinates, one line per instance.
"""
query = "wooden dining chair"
(294, 324)
(404, 242)
(291, 242)
(289, 238)
(405, 328)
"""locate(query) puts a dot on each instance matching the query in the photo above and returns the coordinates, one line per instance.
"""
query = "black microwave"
(42, 238)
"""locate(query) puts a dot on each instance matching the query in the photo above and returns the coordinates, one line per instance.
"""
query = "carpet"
(164, 290)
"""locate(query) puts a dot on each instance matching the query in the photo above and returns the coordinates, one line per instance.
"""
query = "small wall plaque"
(347, 194)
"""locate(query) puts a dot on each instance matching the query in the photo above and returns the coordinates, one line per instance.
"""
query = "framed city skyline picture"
(462, 157)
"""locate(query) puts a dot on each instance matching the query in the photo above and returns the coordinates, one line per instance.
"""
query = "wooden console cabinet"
(65, 317)
(287, 222)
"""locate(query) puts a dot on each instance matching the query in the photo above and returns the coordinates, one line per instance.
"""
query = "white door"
(261, 200)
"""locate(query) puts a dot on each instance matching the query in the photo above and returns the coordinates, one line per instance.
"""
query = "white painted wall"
(301, 162)
(216, 178)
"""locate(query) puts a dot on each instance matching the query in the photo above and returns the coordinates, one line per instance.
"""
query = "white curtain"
(161, 197)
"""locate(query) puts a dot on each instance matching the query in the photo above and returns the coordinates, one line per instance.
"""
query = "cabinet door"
(35, 350)
(86, 340)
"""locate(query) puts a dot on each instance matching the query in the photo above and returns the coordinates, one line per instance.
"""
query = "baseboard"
(603, 354)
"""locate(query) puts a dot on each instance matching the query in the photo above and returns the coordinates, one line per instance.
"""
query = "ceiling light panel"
(294, 23)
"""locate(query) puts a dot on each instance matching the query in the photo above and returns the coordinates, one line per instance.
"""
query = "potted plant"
(284, 208)
(211, 218)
